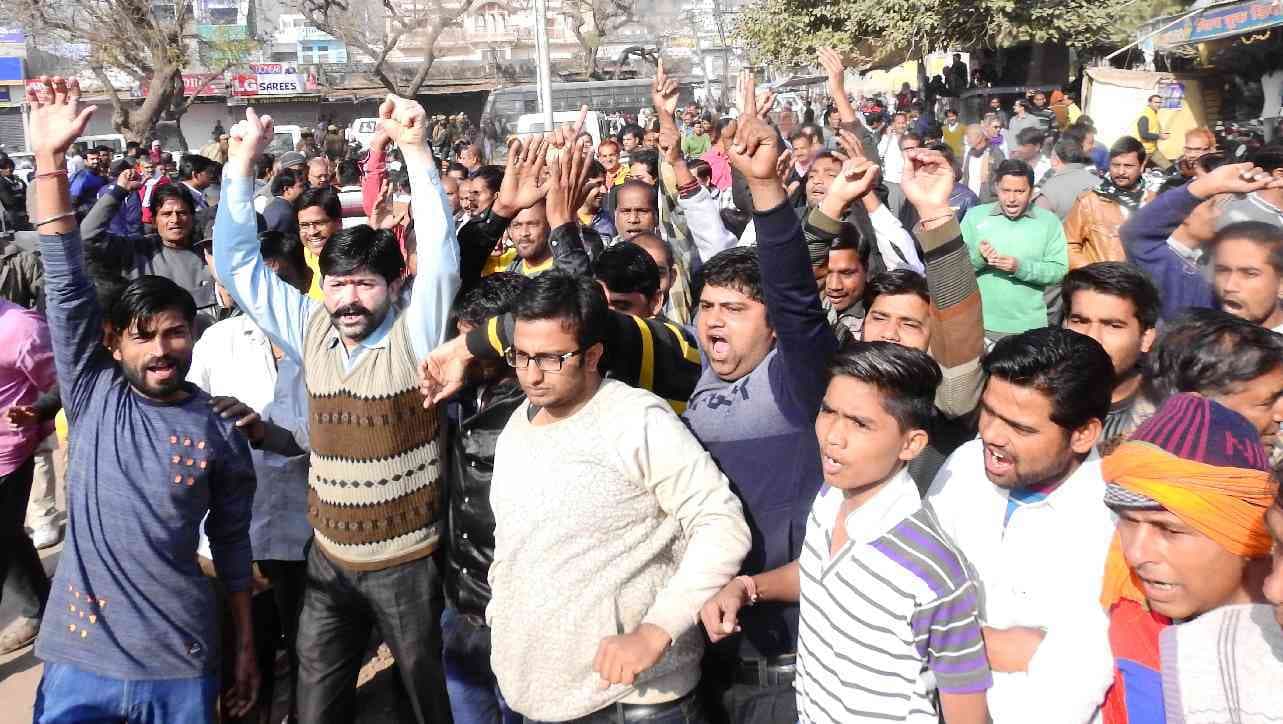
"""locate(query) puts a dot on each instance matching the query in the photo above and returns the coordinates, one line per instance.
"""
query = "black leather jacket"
(470, 520)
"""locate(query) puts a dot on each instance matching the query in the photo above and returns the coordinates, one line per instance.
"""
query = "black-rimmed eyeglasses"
(545, 362)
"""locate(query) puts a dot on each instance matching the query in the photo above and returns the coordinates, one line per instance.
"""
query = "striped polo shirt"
(889, 617)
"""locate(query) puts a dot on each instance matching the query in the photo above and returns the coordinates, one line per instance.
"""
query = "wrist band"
(749, 587)
(55, 217)
(50, 174)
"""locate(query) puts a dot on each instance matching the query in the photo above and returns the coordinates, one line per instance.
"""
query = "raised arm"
(279, 309)
(835, 69)
(438, 279)
(376, 170)
(75, 321)
(803, 338)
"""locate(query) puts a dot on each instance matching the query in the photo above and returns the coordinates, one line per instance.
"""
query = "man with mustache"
(130, 617)
(374, 495)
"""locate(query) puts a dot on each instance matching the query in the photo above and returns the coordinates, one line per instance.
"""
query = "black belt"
(621, 713)
(771, 671)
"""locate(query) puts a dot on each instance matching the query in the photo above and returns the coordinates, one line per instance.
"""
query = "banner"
(1222, 22)
(197, 84)
(273, 79)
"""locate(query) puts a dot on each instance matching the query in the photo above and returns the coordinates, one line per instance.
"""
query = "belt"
(771, 671)
(621, 713)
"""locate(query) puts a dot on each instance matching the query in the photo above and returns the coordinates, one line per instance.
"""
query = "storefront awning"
(1218, 20)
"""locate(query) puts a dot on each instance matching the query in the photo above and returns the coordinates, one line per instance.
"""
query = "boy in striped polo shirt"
(888, 610)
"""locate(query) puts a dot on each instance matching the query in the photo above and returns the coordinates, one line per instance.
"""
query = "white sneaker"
(46, 536)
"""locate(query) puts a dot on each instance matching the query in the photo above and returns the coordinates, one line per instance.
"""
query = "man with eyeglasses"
(1198, 143)
(612, 527)
(320, 216)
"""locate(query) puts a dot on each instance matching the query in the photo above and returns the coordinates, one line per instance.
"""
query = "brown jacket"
(1091, 228)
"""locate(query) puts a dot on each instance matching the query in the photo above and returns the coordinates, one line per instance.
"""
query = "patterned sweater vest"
(374, 497)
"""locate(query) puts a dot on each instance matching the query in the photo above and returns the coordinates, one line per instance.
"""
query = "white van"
(534, 123)
(362, 131)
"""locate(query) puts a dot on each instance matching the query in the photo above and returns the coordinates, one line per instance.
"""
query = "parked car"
(362, 131)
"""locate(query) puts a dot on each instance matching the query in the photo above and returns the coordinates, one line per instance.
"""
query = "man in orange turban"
(1191, 488)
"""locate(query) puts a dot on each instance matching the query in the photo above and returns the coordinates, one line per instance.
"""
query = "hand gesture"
(1233, 178)
(241, 697)
(835, 70)
(851, 145)
(755, 151)
(380, 140)
(720, 614)
(20, 416)
(566, 190)
(523, 183)
(250, 137)
(404, 122)
(621, 658)
(56, 111)
(444, 371)
(670, 143)
(663, 96)
(854, 180)
(568, 133)
(246, 420)
(998, 261)
(381, 216)
(927, 181)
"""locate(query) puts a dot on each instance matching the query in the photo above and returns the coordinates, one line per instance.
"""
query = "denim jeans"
(687, 712)
(71, 695)
(474, 693)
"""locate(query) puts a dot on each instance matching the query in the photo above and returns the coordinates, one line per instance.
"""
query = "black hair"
(906, 379)
(736, 268)
(850, 238)
(574, 300)
(723, 123)
(649, 159)
(456, 166)
(100, 150)
(263, 165)
(663, 243)
(595, 169)
(1030, 137)
(6, 162)
(492, 175)
(144, 298)
(349, 172)
(912, 135)
(1117, 279)
(1070, 151)
(895, 283)
(800, 132)
(633, 183)
(1153, 97)
(161, 194)
(1209, 352)
(626, 268)
(700, 169)
(1071, 369)
(1269, 158)
(362, 247)
(634, 130)
(276, 246)
(1126, 145)
(1013, 167)
(494, 295)
(119, 166)
(193, 164)
(284, 179)
(1260, 233)
(946, 150)
(1077, 133)
(324, 197)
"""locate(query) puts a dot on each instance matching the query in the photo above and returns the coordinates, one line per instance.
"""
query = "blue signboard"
(11, 69)
(1223, 22)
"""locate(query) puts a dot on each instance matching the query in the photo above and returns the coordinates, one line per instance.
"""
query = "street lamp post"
(545, 69)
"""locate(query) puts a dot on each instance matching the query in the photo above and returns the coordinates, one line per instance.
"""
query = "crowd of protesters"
(728, 418)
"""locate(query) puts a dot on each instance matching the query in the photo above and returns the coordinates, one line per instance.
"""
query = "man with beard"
(374, 482)
(1023, 505)
(167, 253)
(130, 618)
(1247, 272)
(1198, 143)
(1091, 228)
(1115, 304)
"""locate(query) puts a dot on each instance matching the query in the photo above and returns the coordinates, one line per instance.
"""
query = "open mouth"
(830, 465)
(163, 369)
(1153, 586)
(998, 463)
(718, 347)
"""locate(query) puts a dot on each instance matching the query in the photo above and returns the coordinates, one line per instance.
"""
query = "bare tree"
(360, 26)
(593, 20)
(146, 42)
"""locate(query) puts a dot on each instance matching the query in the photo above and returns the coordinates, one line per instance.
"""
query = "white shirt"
(1043, 569)
(892, 158)
(974, 164)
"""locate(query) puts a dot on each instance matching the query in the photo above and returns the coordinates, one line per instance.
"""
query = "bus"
(506, 105)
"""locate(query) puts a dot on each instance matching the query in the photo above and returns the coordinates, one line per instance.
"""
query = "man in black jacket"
(13, 199)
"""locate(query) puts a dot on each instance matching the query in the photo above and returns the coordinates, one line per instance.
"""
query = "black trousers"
(21, 574)
(727, 701)
(340, 610)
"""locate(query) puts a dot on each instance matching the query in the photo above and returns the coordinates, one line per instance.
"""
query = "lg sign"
(266, 84)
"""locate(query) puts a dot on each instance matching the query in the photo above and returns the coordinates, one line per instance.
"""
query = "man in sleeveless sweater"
(375, 479)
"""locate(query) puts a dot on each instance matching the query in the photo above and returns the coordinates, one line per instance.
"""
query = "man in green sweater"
(1018, 251)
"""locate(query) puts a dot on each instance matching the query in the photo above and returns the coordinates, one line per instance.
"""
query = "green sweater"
(694, 146)
(1013, 302)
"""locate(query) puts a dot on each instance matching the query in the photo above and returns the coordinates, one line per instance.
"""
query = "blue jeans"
(465, 652)
(75, 696)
